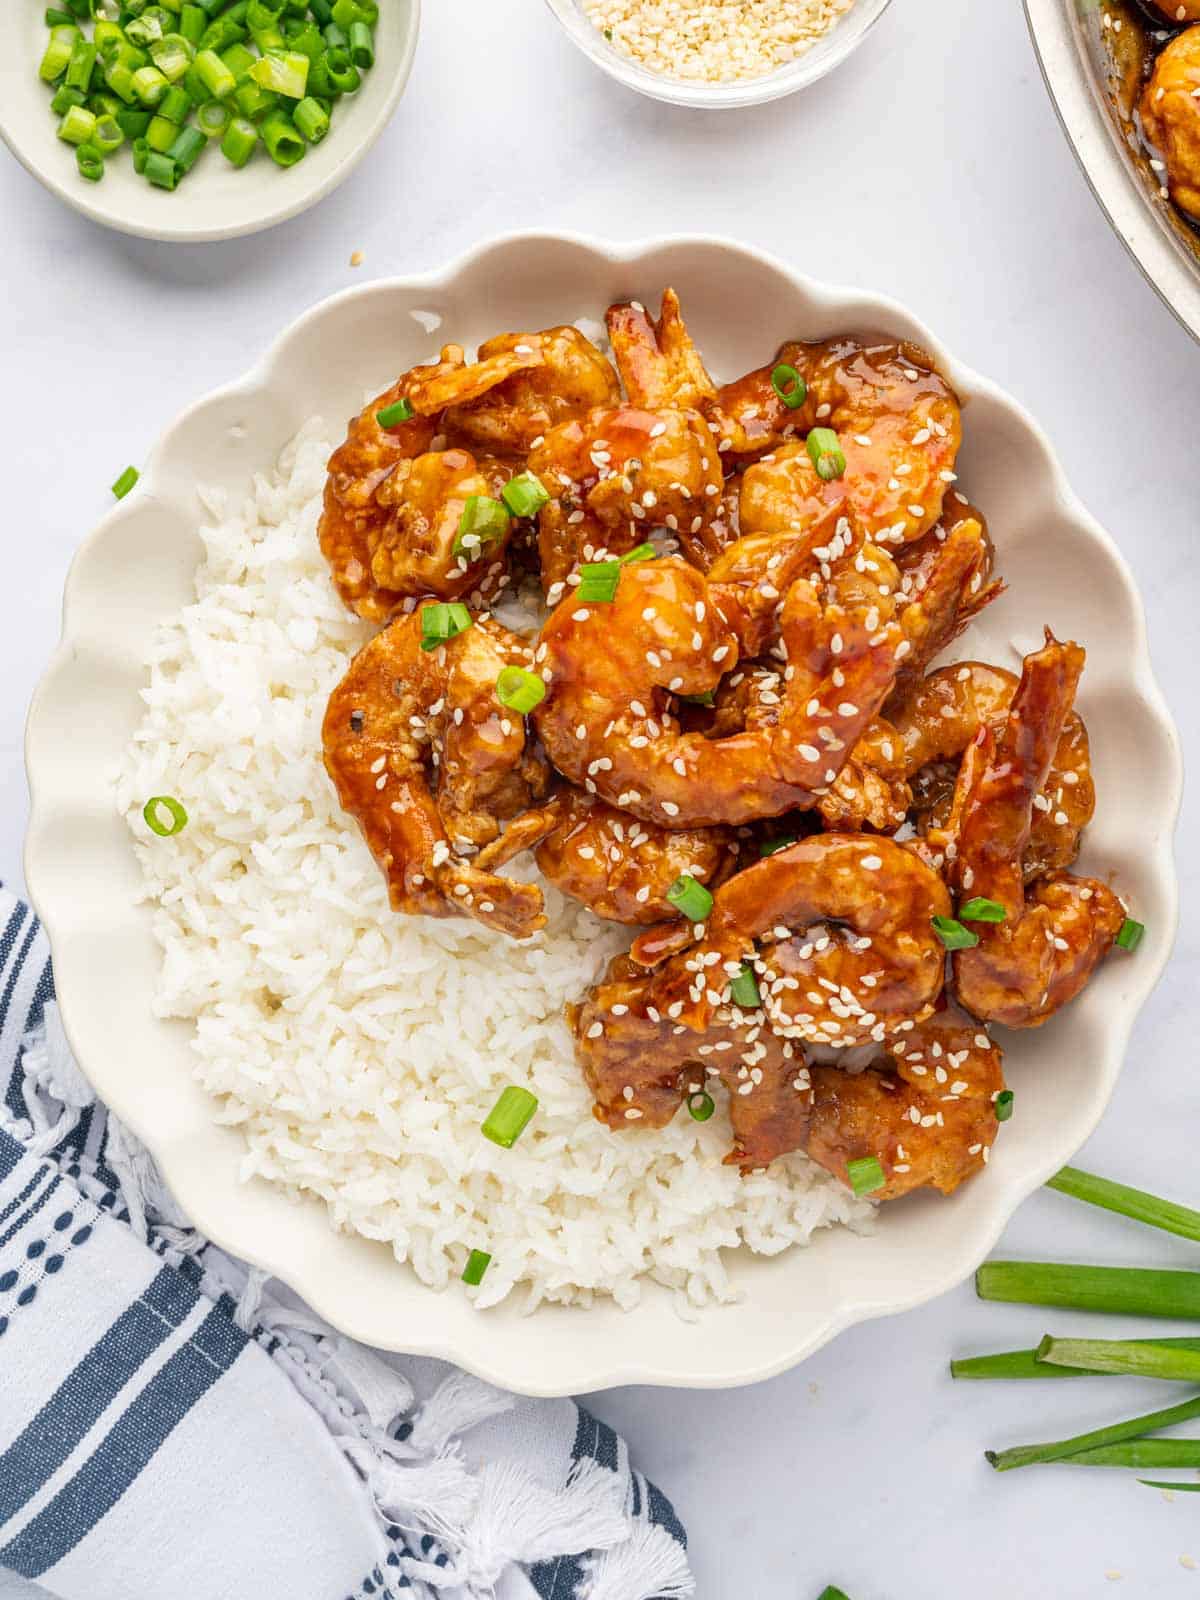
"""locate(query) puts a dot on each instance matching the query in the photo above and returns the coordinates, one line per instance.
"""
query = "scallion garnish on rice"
(510, 1116)
(125, 482)
(477, 1264)
(691, 899)
(176, 819)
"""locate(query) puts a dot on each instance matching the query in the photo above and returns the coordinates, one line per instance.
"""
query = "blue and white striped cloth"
(173, 1424)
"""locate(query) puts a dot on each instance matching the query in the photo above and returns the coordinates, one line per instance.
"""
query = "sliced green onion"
(525, 495)
(237, 146)
(284, 72)
(213, 119)
(831, 1593)
(953, 935)
(825, 453)
(1134, 1358)
(192, 23)
(65, 98)
(708, 698)
(140, 149)
(772, 847)
(283, 144)
(1162, 1453)
(81, 65)
(214, 74)
(172, 56)
(54, 18)
(1028, 1455)
(483, 522)
(1133, 1203)
(311, 119)
(175, 105)
(177, 817)
(442, 621)
(1003, 1105)
(640, 552)
(1127, 1291)
(108, 135)
(1168, 1483)
(982, 910)
(240, 62)
(78, 126)
(744, 989)
(691, 899)
(477, 1264)
(392, 416)
(343, 75)
(510, 1116)
(57, 58)
(90, 161)
(362, 46)
(598, 581)
(133, 124)
(520, 690)
(149, 85)
(1131, 934)
(186, 149)
(125, 482)
(701, 1105)
(866, 1175)
(161, 170)
(789, 386)
(160, 135)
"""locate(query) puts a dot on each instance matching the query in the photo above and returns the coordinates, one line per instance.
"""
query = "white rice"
(358, 1051)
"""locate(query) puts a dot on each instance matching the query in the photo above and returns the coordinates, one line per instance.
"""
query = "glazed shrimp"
(640, 1067)
(898, 425)
(838, 929)
(1055, 934)
(659, 365)
(610, 669)
(572, 377)
(354, 521)
(615, 475)
(425, 757)
(926, 1110)
(618, 867)
(943, 716)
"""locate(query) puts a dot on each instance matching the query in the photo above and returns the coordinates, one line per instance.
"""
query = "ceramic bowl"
(215, 201)
(137, 569)
(841, 41)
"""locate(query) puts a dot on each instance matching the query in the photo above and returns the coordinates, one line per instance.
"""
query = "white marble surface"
(931, 166)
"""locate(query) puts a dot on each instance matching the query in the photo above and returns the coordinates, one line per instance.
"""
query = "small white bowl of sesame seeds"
(717, 53)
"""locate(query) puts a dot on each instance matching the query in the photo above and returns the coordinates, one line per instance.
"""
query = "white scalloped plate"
(137, 569)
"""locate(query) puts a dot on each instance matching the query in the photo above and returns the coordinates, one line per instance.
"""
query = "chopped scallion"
(691, 899)
(953, 935)
(477, 1264)
(866, 1175)
(177, 817)
(520, 690)
(525, 495)
(772, 847)
(483, 522)
(640, 552)
(510, 1116)
(1003, 1105)
(789, 386)
(701, 1105)
(1131, 934)
(982, 910)
(825, 453)
(598, 581)
(392, 416)
(125, 482)
(744, 989)
(442, 621)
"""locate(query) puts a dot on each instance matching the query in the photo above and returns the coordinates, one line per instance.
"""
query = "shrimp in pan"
(426, 758)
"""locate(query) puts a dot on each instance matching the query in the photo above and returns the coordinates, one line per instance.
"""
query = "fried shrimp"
(838, 930)
(571, 378)
(659, 365)
(611, 668)
(426, 758)
(617, 866)
(358, 515)
(1170, 110)
(926, 1110)
(1055, 934)
(616, 474)
(898, 427)
(941, 719)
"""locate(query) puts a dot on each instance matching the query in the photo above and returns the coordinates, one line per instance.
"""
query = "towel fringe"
(458, 1403)
(519, 1519)
(647, 1565)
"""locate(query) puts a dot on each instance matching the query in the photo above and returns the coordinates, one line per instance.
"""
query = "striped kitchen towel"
(172, 1423)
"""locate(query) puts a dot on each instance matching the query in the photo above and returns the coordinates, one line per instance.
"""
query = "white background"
(930, 167)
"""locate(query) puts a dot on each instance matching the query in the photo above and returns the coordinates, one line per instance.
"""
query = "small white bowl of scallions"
(200, 119)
